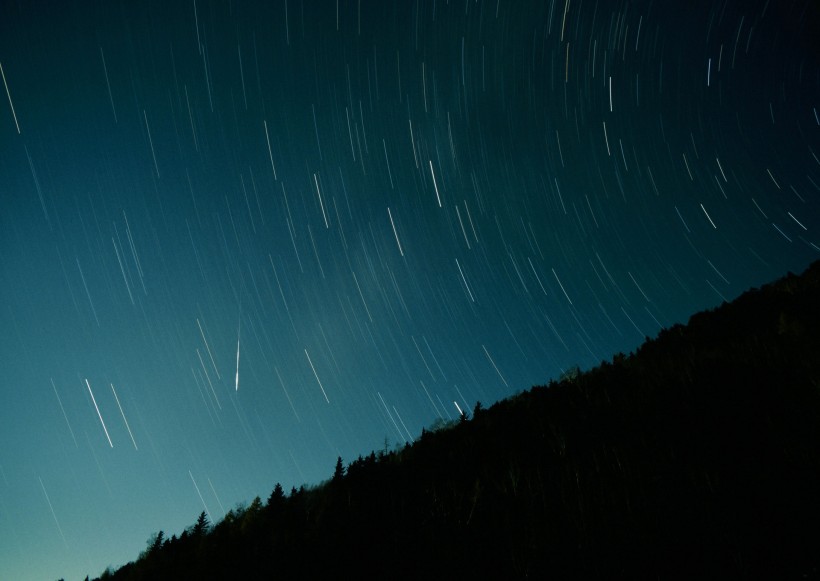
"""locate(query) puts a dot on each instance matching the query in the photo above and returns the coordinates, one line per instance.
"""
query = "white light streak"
(350, 135)
(686, 163)
(191, 117)
(396, 234)
(64, 414)
(239, 329)
(562, 286)
(564, 19)
(151, 142)
(210, 384)
(412, 142)
(242, 76)
(387, 161)
(435, 407)
(321, 204)
(682, 220)
(708, 216)
(538, 278)
(783, 234)
(88, 294)
(398, 415)
(48, 500)
(470, 218)
(134, 251)
(759, 209)
(798, 221)
(389, 415)
(200, 496)
(461, 272)
(487, 353)
(123, 417)
(435, 185)
(127, 286)
(108, 84)
(270, 152)
(718, 272)
(276, 369)
(463, 231)
(356, 280)
(610, 94)
(638, 286)
(216, 496)
(98, 413)
(768, 171)
(316, 375)
(196, 25)
(9, 96)
(721, 169)
(208, 348)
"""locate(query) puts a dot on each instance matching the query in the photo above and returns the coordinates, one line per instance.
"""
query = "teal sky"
(238, 241)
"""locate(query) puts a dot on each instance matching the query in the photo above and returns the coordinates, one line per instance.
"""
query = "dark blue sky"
(237, 242)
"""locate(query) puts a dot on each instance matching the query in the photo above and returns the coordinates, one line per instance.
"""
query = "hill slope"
(698, 455)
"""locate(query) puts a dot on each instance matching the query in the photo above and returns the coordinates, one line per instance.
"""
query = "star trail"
(293, 230)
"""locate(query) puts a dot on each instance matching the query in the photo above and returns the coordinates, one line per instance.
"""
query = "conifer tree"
(202, 525)
(339, 472)
(277, 496)
(155, 543)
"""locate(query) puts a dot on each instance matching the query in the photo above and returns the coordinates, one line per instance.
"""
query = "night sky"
(237, 241)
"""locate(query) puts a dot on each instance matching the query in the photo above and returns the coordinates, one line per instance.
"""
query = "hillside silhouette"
(698, 456)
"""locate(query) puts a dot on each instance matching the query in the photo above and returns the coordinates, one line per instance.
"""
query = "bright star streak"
(237, 355)
(396, 234)
(99, 414)
(435, 185)
(200, 496)
(316, 375)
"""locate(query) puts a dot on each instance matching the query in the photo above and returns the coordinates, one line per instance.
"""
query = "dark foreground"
(698, 456)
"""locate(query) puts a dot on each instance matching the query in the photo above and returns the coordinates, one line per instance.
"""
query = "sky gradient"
(238, 241)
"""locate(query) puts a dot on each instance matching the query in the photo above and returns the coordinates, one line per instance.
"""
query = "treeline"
(697, 456)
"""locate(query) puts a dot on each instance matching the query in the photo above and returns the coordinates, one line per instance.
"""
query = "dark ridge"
(696, 457)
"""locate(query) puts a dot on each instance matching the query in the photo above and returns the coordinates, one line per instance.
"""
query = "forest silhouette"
(698, 456)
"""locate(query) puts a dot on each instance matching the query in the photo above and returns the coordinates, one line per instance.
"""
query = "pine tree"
(251, 517)
(339, 472)
(277, 496)
(477, 409)
(202, 525)
(154, 543)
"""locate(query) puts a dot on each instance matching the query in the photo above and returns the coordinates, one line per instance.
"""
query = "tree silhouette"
(202, 525)
(159, 538)
(339, 471)
(696, 457)
(277, 497)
